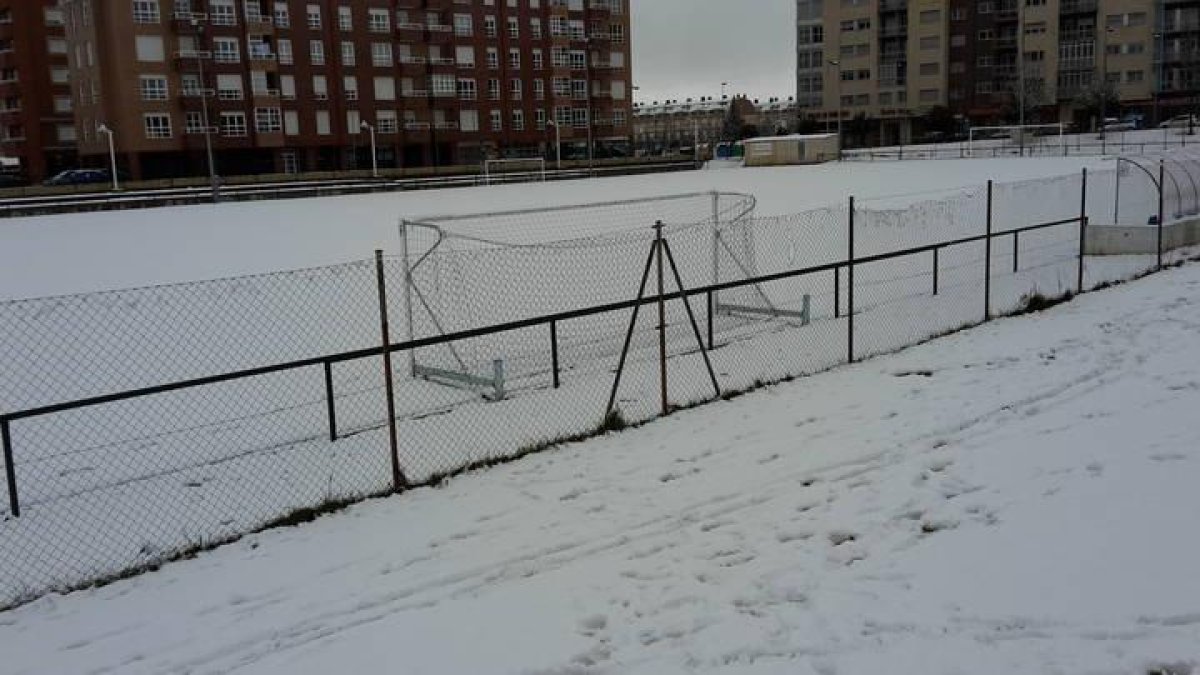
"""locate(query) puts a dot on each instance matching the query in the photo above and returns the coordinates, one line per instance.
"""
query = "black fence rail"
(1037, 146)
(103, 485)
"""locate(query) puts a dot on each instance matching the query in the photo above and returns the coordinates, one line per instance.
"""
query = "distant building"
(37, 127)
(668, 126)
(890, 62)
(287, 85)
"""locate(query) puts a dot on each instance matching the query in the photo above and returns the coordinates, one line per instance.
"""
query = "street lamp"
(112, 155)
(213, 183)
(374, 155)
(837, 94)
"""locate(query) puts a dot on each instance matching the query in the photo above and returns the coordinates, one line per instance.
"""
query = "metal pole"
(935, 270)
(716, 241)
(687, 306)
(850, 288)
(587, 63)
(1161, 186)
(987, 258)
(709, 296)
(1117, 196)
(112, 156)
(409, 330)
(399, 482)
(10, 471)
(612, 396)
(837, 292)
(1016, 250)
(554, 350)
(662, 319)
(329, 404)
(1083, 222)
(208, 148)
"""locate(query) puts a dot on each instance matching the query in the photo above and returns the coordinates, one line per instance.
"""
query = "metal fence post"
(329, 404)
(987, 259)
(1016, 251)
(554, 350)
(850, 288)
(409, 330)
(10, 471)
(837, 292)
(662, 319)
(1162, 176)
(935, 270)
(709, 302)
(399, 482)
(1083, 222)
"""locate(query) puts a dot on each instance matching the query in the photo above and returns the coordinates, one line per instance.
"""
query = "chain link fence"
(144, 424)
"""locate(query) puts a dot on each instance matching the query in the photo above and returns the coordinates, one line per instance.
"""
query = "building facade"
(668, 126)
(37, 130)
(891, 62)
(297, 85)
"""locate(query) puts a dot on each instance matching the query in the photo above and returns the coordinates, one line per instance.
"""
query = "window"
(463, 26)
(930, 16)
(285, 51)
(153, 87)
(378, 21)
(193, 122)
(468, 120)
(55, 46)
(149, 48)
(226, 50)
(291, 122)
(381, 54)
(514, 90)
(931, 42)
(518, 120)
(386, 121)
(538, 59)
(268, 120)
(494, 89)
(233, 124)
(158, 125)
(514, 29)
(322, 118)
(467, 90)
(320, 88)
(221, 13)
(489, 26)
(465, 56)
(385, 89)
(928, 69)
(539, 117)
(282, 18)
(958, 40)
(313, 13)
(146, 11)
(345, 19)
(316, 52)
(535, 28)
(497, 119)
(539, 89)
(350, 87)
(514, 59)
(348, 58)
(229, 87)
(493, 58)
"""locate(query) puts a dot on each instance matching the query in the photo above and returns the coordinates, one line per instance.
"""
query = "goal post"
(1006, 134)
(469, 271)
(514, 169)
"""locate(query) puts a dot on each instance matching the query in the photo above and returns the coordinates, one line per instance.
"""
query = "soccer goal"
(470, 271)
(987, 141)
(514, 170)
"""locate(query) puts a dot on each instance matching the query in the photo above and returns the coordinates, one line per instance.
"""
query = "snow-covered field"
(123, 485)
(77, 253)
(1014, 498)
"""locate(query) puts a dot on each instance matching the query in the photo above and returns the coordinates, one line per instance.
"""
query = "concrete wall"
(1126, 240)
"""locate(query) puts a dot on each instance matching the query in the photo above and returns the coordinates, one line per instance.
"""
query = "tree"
(731, 129)
(1094, 99)
(1035, 100)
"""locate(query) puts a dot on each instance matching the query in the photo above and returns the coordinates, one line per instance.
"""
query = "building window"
(153, 87)
(463, 26)
(146, 11)
(226, 50)
(514, 59)
(316, 52)
(497, 120)
(514, 90)
(345, 19)
(467, 90)
(268, 120)
(381, 54)
(378, 21)
(518, 120)
(193, 122)
(233, 124)
(489, 26)
(283, 18)
(468, 120)
(514, 29)
(158, 125)
(386, 121)
(313, 14)
(348, 54)
(221, 13)
(350, 87)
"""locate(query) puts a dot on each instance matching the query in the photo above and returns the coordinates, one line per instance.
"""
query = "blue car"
(79, 177)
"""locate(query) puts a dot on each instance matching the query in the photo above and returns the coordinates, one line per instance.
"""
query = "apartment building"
(296, 85)
(37, 130)
(891, 62)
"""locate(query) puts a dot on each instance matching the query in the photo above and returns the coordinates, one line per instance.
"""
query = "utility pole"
(837, 95)
(374, 155)
(213, 183)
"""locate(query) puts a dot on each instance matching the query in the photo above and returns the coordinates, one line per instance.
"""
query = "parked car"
(1114, 124)
(1180, 122)
(79, 177)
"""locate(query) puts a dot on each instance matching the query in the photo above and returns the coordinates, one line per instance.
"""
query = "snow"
(1013, 498)
(53, 255)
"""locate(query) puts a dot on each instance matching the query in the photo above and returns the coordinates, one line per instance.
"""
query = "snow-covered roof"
(790, 137)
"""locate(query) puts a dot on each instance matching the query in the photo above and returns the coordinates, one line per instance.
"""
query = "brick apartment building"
(286, 85)
(37, 130)
(892, 61)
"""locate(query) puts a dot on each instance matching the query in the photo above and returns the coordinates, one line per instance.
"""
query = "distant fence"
(1034, 146)
(143, 424)
(46, 201)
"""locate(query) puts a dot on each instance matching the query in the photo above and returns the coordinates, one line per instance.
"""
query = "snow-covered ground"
(1014, 498)
(76, 253)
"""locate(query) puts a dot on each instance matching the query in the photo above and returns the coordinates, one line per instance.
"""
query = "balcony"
(192, 54)
(407, 60)
(900, 30)
(442, 61)
(893, 6)
(414, 93)
(445, 126)
(1080, 63)
(417, 126)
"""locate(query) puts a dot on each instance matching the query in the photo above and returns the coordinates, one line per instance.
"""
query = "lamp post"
(557, 144)
(112, 155)
(374, 154)
(837, 94)
(213, 183)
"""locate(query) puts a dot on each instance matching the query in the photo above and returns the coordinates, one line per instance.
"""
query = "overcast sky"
(686, 48)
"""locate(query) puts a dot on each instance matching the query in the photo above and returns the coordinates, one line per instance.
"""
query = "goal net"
(471, 271)
(988, 141)
(519, 169)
